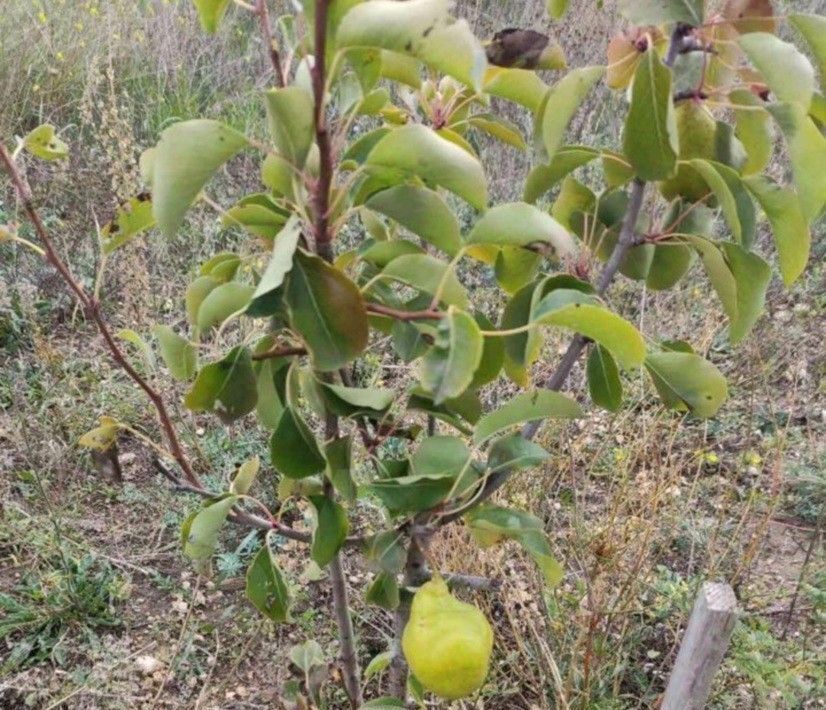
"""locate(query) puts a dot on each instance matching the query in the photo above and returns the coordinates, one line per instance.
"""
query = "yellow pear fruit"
(697, 131)
(447, 642)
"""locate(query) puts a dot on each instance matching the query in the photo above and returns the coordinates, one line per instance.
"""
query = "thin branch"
(397, 314)
(280, 351)
(92, 308)
(272, 49)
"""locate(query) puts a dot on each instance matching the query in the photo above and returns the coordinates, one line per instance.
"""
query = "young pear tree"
(375, 114)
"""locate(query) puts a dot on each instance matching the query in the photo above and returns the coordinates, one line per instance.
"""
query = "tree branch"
(91, 307)
(272, 50)
(280, 351)
(398, 314)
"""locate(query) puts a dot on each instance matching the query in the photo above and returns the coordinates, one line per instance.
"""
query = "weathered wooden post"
(703, 647)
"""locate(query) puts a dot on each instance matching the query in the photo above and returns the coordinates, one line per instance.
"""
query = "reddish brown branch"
(321, 200)
(272, 50)
(92, 308)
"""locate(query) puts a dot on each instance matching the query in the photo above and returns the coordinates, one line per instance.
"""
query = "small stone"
(180, 606)
(147, 664)
(127, 458)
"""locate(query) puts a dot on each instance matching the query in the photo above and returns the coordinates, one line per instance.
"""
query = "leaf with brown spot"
(751, 15)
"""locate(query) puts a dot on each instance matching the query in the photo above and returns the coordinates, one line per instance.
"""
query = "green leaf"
(813, 29)
(196, 292)
(307, 655)
(200, 533)
(604, 383)
(130, 336)
(180, 356)
(380, 254)
(420, 28)
(650, 139)
(449, 365)
(258, 214)
(386, 551)
(330, 531)
(807, 153)
(491, 523)
(428, 275)
(417, 151)
(379, 663)
(791, 232)
(226, 387)
(655, 12)
(526, 407)
(281, 261)
(521, 86)
(567, 159)
(785, 68)
(595, 322)
(515, 452)
(687, 381)
(411, 493)
(520, 224)
(752, 276)
(383, 703)
(290, 113)
(440, 456)
(187, 156)
(294, 451)
(562, 102)
(269, 374)
(338, 453)
(499, 128)
(356, 401)
(210, 13)
(493, 356)
(515, 268)
(753, 128)
(383, 592)
(131, 219)
(43, 143)
(327, 310)
(266, 588)
(719, 274)
(245, 477)
(223, 302)
(713, 173)
(557, 8)
(423, 212)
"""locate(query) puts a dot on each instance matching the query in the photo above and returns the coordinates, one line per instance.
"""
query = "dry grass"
(642, 507)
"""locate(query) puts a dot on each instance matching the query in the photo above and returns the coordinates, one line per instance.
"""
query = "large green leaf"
(293, 448)
(595, 322)
(383, 592)
(520, 224)
(423, 212)
(195, 294)
(223, 302)
(210, 13)
(753, 128)
(521, 86)
(490, 523)
(807, 153)
(791, 232)
(226, 387)
(419, 28)
(813, 29)
(339, 455)
(187, 156)
(567, 159)
(131, 219)
(356, 401)
(557, 8)
(428, 275)
(525, 407)
(281, 261)
(417, 151)
(736, 204)
(655, 12)
(440, 456)
(412, 493)
(330, 531)
(650, 139)
(562, 102)
(180, 356)
(200, 531)
(604, 382)
(266, 588)
(327, 310)
(752, 276)
(449, 365)
(290, 113)
(687, 381)
(514, 452)
(269, 374)
(785, 68)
